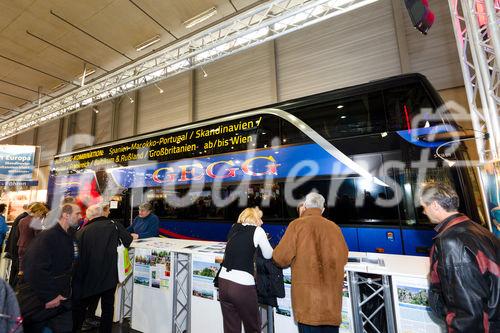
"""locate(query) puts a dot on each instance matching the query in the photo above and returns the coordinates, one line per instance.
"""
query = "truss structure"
(181, 322)
(477, 33)
(258, 25)
(377, 288)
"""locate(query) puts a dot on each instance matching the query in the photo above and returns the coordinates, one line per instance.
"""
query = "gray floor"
(117, 328)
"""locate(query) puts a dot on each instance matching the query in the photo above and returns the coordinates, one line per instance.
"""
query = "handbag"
(123, 263)
(216, 278)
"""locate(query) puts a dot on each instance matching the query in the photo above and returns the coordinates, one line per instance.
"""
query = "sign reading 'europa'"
(16, 162)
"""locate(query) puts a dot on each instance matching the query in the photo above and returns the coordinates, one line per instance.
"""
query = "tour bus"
(365, 148)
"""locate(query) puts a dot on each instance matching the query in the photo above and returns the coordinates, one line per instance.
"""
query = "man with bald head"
(48, 270)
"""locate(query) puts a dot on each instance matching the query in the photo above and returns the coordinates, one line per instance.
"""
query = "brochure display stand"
(173, 290)
(152, 287)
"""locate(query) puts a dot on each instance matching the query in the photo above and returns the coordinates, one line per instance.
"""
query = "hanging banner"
(16, 163)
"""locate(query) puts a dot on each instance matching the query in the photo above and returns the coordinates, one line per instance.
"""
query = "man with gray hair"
(146, 224)
(96, 275)
(315, 249)
(465, 272)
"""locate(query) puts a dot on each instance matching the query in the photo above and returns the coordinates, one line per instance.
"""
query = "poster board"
(205, 307)
(17, 163)
(284, 320)
(412, 311)
(152, 288)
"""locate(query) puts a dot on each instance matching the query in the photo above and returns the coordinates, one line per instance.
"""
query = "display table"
(173, 290)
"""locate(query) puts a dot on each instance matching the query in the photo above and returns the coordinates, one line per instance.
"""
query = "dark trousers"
(14, 269)
(62, 323)
(107, 310)
(239, 304)
(92, 309)
(303, 328)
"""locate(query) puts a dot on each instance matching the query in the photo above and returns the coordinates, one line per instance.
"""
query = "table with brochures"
(172, 290)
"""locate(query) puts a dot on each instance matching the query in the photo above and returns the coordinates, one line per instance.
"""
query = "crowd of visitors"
(63, 264)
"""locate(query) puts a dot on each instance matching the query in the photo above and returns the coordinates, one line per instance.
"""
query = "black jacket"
(269, 281)
(97, 268)
(465, 276)
(11, 244)
(49, 263)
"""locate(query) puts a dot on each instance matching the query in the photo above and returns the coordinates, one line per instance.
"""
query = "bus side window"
(403, 103)
(350, 116)
(412, 212)
(351, 202)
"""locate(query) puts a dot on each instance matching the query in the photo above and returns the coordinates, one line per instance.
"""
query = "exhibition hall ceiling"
(46, 45)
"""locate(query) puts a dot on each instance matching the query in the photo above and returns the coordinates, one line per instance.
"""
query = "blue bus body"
(354, 130)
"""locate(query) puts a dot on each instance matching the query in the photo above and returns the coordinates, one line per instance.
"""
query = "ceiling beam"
(25, 88)
(65, 51)
(35, 69)
(88, 34)
(153, 19)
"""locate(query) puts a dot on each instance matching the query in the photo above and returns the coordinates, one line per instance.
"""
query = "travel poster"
(347, 323)
(142, 267)
(204, 270)
(160, 269)
(285, 304)
(411, 304)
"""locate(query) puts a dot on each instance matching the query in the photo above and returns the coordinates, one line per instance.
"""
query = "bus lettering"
(168, 177)
(246, 167)
(185, 171)
(231, 172)
(236, 140)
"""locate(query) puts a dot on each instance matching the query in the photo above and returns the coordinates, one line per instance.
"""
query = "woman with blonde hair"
(237, 291)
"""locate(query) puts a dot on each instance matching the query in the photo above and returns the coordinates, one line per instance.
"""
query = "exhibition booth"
(173, 288)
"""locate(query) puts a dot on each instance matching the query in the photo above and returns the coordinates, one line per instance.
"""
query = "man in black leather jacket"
(465, 272)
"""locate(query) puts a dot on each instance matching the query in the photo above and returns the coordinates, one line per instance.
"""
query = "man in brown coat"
(315, 249)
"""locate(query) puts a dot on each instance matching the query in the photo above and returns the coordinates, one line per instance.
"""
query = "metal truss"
(363, 316)
(126, 292)
(182, 293)
(258, 25)
(476, 25)
(126, 298)
(267, 318)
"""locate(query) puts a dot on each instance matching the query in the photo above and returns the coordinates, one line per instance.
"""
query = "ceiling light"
(200, 17)
(340, 107)
(96, 110)
(147, 43)
(205, 74)
(159, 89)
(343, 117)
(86, 73)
